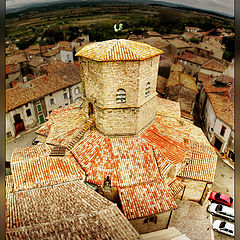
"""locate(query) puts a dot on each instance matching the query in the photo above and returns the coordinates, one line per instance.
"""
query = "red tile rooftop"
(18, 58)
(169, 108)
(12, 69)
(41, 86)
(193, 58)
(44, 171)
(214, 66)
(176, 186)
(146, 199)
(65, 211)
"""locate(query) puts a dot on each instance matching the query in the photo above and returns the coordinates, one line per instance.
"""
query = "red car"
(221, 198)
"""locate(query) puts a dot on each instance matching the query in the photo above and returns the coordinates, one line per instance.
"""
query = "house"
(181, 87)
(191, 63)
(52, 55)
(29, 103)
(213, 67)
(33, 51)
(210, 47)
(19, 59)
(75, 210)
(157, 42)
(192, 29)
(149, 34)
(66, 51)
(13, 74)
(178, 47)
(80, 41)
(170, 36)
(216, 104)
(34, 66)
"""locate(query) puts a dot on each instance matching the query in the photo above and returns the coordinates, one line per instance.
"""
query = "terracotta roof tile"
(176, 186)
(42, 86)
(179, 43)
(18, 58)
(202, 164)
(12, 69)
(146, 199)
(118, 50)
(31, 152)
(51, 53)
(214, 66)
(156, 42)
(66, 211)
(193, 58)
(182, 79)
(167, 107)
(45, 171)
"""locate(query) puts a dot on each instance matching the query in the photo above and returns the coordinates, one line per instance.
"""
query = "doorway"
(218, 144)
(18, 123)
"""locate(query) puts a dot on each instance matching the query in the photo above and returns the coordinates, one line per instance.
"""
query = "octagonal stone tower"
(119, 78)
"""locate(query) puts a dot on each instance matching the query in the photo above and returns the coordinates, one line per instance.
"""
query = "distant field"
(134, 17)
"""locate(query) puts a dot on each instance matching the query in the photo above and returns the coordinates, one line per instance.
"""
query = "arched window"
(121, 96)
(147, 90)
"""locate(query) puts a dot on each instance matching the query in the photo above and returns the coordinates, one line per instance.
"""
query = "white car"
(221, 211)
(223, 227)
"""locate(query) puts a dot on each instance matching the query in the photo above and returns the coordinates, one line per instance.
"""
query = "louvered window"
(147, 90)
(121, 96)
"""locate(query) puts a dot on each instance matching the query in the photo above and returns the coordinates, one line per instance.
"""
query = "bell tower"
(120, 78)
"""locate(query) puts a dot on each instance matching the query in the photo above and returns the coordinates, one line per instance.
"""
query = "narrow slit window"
(121, 96)
(223, 131)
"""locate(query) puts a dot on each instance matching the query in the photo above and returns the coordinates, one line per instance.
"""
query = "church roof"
(118, 50)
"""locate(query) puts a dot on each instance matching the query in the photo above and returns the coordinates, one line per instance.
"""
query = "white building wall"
(210, 72)
(66, 56)
(76, 93)
(29, 122)
(59, 101)
(209, 120)
(217, 129)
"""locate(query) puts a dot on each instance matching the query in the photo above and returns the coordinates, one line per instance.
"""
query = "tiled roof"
(51, 53)
(31, 152)
(193, 58)
(41, 86)
(167, 107)
(118, 50)
(182, 79)
(9, 188)
(18, 58)
(66, 211)
(176, 68)
(202, 164)
(12, 69)
(45, 171)
(176, 186)
(179, 43)
(223, 107)
(156, 42)
(64, 45)
(214, 66)
(36, 62)
(44, 129)
(146, 199)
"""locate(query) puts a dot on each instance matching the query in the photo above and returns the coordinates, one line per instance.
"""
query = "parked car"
(221, 211)
(35, 141)
(221, 198)
(223, 227)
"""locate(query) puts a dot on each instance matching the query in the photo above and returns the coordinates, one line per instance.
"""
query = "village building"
(213, 68)
(80, 41)
(192, 29)
(149, 34)
(192, 63)
(178, 47)
(141, 168)
(157, 42)
(33, 51)
(170, 36)
(75, 210)
(34, 66)
(13, 74)
(52, 55)
(210, 47)
(29, 103)
(216, 104)
(181, 87)
(66, 51)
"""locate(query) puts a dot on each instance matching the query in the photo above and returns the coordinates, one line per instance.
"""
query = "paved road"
(223, 182)
(22, 141)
